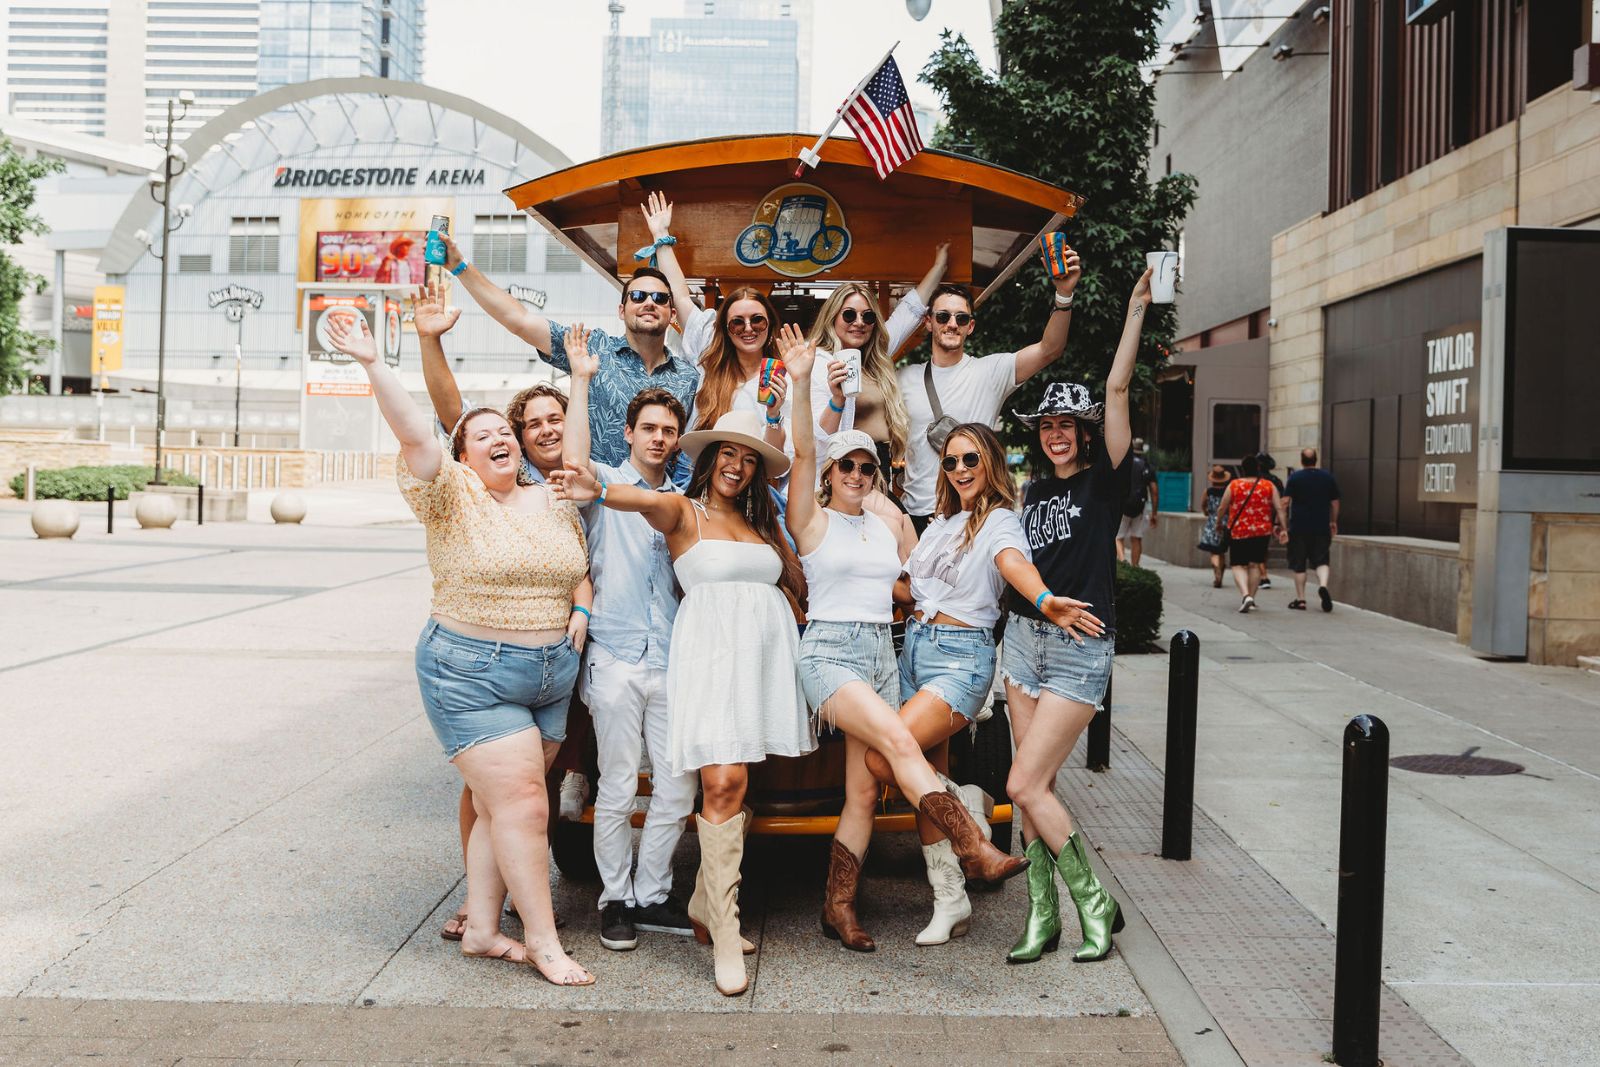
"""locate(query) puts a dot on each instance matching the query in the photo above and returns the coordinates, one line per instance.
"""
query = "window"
(1235, 431)
(253, 246)
(559, 259)
(500, 243)
(195, 264)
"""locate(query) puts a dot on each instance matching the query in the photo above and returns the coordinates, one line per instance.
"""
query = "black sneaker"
(617, 932)
(664, 917)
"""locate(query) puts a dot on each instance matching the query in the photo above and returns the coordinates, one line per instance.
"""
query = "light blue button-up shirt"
(635, 589)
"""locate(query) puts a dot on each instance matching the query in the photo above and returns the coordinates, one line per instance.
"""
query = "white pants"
(628, 703)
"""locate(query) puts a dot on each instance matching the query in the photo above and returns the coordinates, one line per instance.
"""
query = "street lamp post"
(173, 163)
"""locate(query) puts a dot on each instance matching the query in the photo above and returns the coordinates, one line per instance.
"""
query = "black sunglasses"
(865, 466)
(639, 296)
(968, 460)
(757, 322)
(942, 317)
(849, 315)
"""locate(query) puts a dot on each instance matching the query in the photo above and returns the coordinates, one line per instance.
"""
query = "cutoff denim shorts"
(833, 653)
(954, 663)
(1039, 655)
(476, 691)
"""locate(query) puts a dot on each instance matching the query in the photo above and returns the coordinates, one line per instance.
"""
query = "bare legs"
(508, 848)
(1045, 729)
(1246, 577)
(931, 723)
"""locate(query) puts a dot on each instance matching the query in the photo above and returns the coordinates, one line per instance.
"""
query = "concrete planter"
(155, 511)
(222, 505)
(288, 508)
(54, 518)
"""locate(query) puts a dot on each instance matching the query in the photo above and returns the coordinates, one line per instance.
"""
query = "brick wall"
(1564, 589)
(19, 450)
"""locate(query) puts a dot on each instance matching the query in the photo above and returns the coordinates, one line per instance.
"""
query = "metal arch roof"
(212, 151)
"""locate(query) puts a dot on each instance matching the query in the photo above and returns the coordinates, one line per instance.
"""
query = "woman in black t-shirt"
(1056, 677)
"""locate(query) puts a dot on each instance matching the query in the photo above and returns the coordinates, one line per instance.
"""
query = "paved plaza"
(230, 835)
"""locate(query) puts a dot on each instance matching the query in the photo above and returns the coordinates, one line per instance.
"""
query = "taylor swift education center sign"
(1449, 467)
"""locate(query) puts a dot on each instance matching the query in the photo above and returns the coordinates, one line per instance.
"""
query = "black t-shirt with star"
(1071, 524)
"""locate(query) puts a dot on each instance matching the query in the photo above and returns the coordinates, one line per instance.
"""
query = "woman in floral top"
(495, 664)
(1249, 503)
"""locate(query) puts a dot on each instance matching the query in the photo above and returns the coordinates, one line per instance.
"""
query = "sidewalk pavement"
(1493, 883)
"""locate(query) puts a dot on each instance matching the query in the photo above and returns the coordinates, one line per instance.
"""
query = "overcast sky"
(544, 69)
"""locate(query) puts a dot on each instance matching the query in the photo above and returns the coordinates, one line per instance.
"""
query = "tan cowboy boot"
(715, 905)
(979, 858)
(839, 921)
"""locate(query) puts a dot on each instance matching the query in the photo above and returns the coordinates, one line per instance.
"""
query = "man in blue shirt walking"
(1312, 496)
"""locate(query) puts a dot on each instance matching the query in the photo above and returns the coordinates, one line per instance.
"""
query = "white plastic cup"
(851, 358)
(1163, 276)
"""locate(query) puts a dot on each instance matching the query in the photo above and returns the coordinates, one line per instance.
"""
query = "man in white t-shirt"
(969, 388)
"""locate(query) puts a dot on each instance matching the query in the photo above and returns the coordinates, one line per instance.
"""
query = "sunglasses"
(968, 460)
(850, 466)
(639, 296)
(961, 317)
(849, 315)
(757, 322)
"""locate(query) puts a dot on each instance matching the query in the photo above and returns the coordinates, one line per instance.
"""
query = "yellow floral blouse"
(492, 565)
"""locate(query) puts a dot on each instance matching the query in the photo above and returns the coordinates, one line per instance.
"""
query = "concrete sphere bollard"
(156, 511)
(288, 508)
(55, 518)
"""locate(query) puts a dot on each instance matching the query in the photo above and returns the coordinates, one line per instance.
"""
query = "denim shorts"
(833, 653)
(954, 663)
(476, 691)
(1039, 655)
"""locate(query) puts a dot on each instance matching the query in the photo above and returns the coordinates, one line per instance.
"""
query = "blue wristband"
(459, 268)
(649, 250)
(586, 614)
(839, 409)
(602, 497)
(1040, 600)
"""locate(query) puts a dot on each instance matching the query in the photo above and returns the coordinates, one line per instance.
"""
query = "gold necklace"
(856, 522)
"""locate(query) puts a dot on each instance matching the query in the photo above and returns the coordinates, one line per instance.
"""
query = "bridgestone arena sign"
(373, 177)
(1449, 467)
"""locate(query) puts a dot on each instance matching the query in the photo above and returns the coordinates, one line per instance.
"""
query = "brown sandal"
(459, 924)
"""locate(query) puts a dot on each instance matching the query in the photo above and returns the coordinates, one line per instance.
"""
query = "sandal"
(522, 958)
(455, 926)
(1297, 605)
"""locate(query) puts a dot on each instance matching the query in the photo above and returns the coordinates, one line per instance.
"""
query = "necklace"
(857, 523)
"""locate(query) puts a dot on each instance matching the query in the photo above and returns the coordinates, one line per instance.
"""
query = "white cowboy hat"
(741, 428)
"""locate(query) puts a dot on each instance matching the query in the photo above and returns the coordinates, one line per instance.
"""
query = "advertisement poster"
(106, 354)
(1449, 467)
(328, 371)
(387, 257)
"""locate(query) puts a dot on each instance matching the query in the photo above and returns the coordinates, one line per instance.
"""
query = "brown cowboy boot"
(839, 921)
(979, 858)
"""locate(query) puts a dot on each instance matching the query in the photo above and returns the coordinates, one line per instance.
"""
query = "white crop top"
(963, 581)
(850, 576)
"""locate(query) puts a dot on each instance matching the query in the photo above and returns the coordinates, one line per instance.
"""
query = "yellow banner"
(106, 352)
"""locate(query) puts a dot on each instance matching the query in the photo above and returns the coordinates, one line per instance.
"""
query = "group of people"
(713, 562)
(1245, 509)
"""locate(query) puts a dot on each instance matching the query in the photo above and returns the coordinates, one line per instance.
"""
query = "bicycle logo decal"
(798, 230)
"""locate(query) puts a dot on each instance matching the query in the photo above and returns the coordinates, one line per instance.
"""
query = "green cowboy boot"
(1043, 931)
(1098, 913)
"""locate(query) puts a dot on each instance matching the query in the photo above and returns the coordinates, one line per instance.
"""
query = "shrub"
(1138, 608)
(91, 483)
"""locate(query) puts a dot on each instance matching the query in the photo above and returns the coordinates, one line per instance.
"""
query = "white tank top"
(851, 574)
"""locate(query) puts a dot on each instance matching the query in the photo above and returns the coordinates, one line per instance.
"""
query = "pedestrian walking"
(1139, 506)
(1212, 538)
(1250, 503)
(1268, 465)
(1312, 499)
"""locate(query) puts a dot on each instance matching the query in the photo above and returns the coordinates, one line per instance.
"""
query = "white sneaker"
(574, 793)
(1247, 605)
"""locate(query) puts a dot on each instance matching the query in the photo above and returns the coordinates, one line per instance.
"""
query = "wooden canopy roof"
(737, 197)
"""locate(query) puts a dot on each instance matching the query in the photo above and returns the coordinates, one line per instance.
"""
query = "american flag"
(881, 116)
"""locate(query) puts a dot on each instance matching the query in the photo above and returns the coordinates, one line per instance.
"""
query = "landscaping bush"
(1138, 608)
(90, 483)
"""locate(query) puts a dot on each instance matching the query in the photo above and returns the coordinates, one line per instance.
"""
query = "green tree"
(1071, 107)
(19, 347)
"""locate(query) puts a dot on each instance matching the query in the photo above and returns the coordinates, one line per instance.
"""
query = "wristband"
(774, 422)
(1038, 600)
(602, 497)
(831, 407)
(463, 265)
(649, 250)
(1064, 303)
(586, 613)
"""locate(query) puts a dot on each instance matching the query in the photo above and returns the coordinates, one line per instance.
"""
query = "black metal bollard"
(1098, 749)
(111, 502)
(1183, 695)
(1358, 953)
(200, 505)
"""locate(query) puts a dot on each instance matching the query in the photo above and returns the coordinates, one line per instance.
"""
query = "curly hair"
(515, 411)
(877, 362)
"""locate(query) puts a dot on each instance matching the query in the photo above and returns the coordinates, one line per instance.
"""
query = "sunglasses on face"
(868, 318)
(961, 317)
(867, 468)
(639, 296)
(757, 322)
(968, 460)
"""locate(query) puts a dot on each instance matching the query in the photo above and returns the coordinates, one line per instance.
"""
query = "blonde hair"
(877, 362)
(825, 484)
(998, 492)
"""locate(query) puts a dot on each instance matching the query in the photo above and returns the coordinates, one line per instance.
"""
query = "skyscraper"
(725, 67)
(107, 67)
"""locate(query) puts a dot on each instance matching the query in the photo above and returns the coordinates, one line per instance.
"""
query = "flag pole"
(810, 157)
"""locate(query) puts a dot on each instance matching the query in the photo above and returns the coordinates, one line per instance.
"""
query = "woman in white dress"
(732, 682)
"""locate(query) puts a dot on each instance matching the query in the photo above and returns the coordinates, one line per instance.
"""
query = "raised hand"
(350, 335)
(1141, 291)
(941, 255)
(452, 254)
(800, 358)
(584, 360)
(429, 313)
(657, 211)
(1068, 281)
(574, 483)
(1072, 616)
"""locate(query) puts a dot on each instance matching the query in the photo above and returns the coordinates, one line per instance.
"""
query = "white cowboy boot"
(951, 908)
